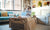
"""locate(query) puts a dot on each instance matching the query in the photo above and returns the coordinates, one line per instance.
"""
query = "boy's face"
(29, 9)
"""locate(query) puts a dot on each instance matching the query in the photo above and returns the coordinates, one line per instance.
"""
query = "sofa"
(3, 17)
(10, 15)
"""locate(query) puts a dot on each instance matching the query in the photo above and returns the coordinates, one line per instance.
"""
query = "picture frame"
(39, 4)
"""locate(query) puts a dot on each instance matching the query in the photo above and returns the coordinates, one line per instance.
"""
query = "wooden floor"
(42, 27)
(38, 27)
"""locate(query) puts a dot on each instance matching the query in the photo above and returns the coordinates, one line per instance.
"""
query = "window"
(3, 4)
(17, 4)
(11, 4)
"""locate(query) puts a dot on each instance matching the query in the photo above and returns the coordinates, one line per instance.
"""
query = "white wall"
(42, 13)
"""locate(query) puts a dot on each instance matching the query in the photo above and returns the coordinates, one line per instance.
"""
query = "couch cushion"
(9, 13)
(4, 14)
(23, 14)
(4, 18)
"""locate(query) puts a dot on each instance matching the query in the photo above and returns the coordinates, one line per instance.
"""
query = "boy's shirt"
(28, 12)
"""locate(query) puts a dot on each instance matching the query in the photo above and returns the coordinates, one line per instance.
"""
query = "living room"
(30, 14)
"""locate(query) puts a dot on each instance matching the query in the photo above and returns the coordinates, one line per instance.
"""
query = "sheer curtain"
(0, 4)
(17, 5)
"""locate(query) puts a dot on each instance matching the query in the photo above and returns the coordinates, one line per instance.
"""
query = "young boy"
(28, 11)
